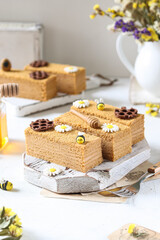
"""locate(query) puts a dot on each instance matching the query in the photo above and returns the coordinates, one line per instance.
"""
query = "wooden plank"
(71, 181)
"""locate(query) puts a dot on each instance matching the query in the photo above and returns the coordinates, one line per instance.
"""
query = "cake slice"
(114, 144)
(61, 148)
(136, 124)
(70, 79)
(37, 89)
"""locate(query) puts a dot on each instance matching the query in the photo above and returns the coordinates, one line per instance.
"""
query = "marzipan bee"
(6, 185)
(80, 138)
(100, 104)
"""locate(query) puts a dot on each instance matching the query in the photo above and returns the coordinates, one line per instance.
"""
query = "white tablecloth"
(58, 219)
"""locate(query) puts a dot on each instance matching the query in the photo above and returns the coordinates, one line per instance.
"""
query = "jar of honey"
(6, 90)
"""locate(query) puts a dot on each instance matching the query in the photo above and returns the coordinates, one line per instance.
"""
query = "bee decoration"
(100, 104)
(6, 185)
(80, 138)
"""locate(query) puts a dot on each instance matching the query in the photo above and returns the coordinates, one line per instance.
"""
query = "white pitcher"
(147, 65)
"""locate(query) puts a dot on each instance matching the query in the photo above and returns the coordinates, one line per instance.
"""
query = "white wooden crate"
(21, 43)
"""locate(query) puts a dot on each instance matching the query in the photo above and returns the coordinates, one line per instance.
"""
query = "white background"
(70, 36)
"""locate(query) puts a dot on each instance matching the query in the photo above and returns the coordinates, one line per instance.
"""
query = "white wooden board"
(20, 107)
(71, 181)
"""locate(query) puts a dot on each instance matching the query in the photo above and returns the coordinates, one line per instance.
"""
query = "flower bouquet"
(140, 18)
(10, 225)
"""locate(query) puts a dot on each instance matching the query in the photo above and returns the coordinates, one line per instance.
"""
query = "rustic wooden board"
(122, 234)
(71, 181)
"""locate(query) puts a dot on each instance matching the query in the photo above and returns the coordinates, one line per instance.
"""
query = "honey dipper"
(93, 122)
(9, 90)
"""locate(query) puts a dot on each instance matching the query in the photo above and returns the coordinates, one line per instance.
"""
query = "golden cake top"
(57, 68)
(108, 128)
(21, 75)
(62, 133)
(104, 111)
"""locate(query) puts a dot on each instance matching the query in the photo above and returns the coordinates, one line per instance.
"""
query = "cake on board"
(62, 145)
(136, 124)
(70, 79)
(37, 85)
(115, 144)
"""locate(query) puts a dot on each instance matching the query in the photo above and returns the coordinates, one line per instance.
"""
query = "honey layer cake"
(114, 144)
(136, 124)
(30, 88)
(67, 82)
(62, 148)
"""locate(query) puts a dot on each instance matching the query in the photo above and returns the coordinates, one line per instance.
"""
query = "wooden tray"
(71, 181)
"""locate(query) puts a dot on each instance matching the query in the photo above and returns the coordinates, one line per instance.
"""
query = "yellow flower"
(148, 104)
(154, 114)
(114, 15)
(92, 16)
(141, 5)
(121, 14)
(131, 228)
(134, 5)
(15, 231)
(102, 13)
(8, 212)
(110, 10)
(149, 111)
(153, 37)
(17, 221)
(96, 7)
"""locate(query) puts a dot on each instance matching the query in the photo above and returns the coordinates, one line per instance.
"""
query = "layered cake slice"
(32, 85)
(108, 112)
(62, 145)
(70, 79)
(116, 137)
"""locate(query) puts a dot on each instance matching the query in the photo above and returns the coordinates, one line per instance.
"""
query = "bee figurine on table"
(100, 104)
(6, 185)
(80, 138)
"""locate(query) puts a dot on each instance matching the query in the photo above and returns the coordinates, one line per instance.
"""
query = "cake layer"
(136, 124)
(30, 88)
(114, 145)
(62, 148)
(67, 82)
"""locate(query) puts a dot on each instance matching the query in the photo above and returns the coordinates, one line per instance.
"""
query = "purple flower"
(124, 26)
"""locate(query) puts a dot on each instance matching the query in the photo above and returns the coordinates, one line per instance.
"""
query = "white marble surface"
(58, 219)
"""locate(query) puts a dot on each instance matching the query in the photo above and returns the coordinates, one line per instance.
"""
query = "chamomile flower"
(110, 127)
(81, 103)
(63, 128)
(52, 171)
(71, 69)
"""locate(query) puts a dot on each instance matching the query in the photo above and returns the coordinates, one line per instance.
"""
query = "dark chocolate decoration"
(125, 113)
(41, 125)
(39, 63)
(39, 75)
